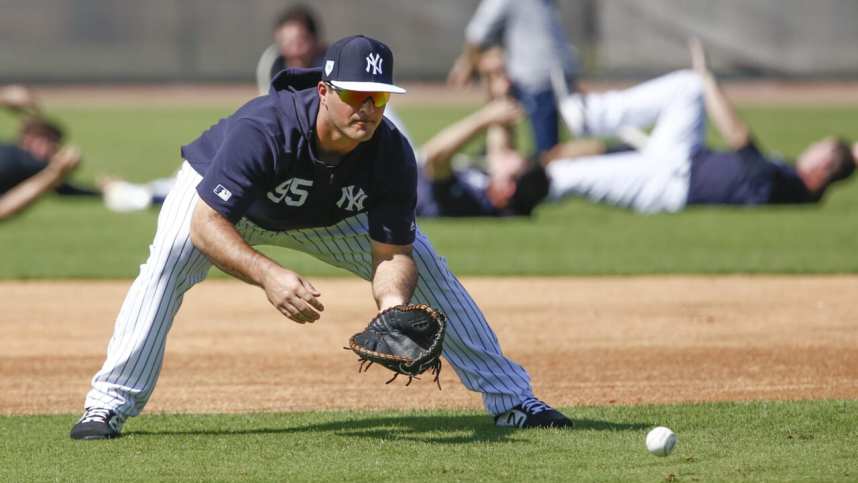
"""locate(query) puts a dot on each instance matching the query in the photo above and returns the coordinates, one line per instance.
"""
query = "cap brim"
(368, 87)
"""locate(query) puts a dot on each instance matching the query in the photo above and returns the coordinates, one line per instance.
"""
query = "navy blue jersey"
(262, 163)
(744, 177)
(16, 165)
(463, 193)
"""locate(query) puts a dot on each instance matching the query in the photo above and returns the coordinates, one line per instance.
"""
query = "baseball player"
(313, 166)
(673, 168)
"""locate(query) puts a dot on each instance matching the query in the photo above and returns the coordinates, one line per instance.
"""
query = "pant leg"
(541, 110)
(672, 104)
(136, 350)
(630, 180)
(470, 346)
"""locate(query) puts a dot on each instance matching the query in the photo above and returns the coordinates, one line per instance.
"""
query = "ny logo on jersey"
(293, 192)
(351, 201)
(374, 61)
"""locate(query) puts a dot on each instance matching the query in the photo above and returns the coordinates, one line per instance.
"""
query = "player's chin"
(362, 131)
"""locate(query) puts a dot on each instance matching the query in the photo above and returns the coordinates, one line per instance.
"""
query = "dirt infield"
(584, 341)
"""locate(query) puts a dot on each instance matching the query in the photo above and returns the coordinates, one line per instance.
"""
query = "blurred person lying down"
(672, 167)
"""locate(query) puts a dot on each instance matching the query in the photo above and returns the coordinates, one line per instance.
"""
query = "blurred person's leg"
(672, 103)
(541, 109)
(630, 180)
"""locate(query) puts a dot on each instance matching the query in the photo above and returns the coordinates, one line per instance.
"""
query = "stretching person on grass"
(674, 168)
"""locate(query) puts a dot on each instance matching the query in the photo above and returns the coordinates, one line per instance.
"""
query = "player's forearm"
(499, 139)
(574, 149)
(29, 190)
(439, 150)
(394, 279)
(734, 131)
(218, 239)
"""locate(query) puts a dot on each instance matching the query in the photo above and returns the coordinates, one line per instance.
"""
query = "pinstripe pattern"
(470, 346)
(136, 351)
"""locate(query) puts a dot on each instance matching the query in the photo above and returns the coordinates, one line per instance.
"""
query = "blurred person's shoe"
(634, 137)
(123, 197)
(572, 111)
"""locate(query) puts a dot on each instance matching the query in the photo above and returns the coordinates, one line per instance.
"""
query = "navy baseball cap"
(360, 63)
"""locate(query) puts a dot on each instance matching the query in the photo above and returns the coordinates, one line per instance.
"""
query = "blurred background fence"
(220, 40)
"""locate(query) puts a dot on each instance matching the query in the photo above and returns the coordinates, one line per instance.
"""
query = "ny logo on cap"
(374, 61)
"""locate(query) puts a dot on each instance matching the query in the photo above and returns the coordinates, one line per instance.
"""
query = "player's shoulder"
(260, 113)
(392, 143)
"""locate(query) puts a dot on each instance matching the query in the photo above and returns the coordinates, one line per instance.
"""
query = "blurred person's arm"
(28, 191)
(574, 149)
(439, 150)
(18, 98)
(485, 26)
(735, 132)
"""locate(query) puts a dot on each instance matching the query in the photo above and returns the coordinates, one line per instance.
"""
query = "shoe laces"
(96, 414)
(534, 406)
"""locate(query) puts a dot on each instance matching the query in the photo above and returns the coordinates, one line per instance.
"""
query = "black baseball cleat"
(532, 413)
(98, 423)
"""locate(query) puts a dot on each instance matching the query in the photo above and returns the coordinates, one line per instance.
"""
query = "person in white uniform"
(673, 168)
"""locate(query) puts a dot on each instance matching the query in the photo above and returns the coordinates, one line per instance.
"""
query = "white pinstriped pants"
(136, 350)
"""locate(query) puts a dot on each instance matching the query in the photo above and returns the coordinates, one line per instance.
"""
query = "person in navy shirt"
(673, 168)
(36, 163)
(297, 43)
(313, 166)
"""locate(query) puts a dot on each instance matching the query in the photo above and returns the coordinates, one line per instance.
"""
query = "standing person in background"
(535, 44)
(297, 43)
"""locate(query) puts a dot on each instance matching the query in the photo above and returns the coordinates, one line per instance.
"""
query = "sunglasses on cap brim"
(357, 98)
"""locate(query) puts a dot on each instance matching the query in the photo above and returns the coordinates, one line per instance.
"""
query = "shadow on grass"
(424, 429)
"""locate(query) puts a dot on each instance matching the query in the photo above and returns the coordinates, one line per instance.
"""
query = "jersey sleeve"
(392, 218)
(750, 151)
(238, 171)
(487, 23)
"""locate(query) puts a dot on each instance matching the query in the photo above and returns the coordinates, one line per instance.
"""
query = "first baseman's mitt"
(407, 339)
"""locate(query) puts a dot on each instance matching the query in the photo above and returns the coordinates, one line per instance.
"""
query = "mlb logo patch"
(222, 192)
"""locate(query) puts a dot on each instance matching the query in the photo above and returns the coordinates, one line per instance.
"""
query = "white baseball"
(660, 441)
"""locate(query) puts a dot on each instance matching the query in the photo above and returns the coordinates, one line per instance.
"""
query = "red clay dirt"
(583, 340)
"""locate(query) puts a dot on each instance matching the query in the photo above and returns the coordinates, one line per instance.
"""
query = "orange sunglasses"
(357, 98)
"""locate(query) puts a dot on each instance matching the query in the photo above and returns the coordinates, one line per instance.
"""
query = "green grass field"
(761, 441)
(806, 441)
(83, 239)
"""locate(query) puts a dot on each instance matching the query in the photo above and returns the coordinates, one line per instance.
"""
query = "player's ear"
(322, 90)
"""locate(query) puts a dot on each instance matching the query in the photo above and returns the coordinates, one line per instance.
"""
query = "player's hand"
(65, 160)
(461, 72)
(18, 98)
(502, 111)
(293, 296)
(698, 56)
